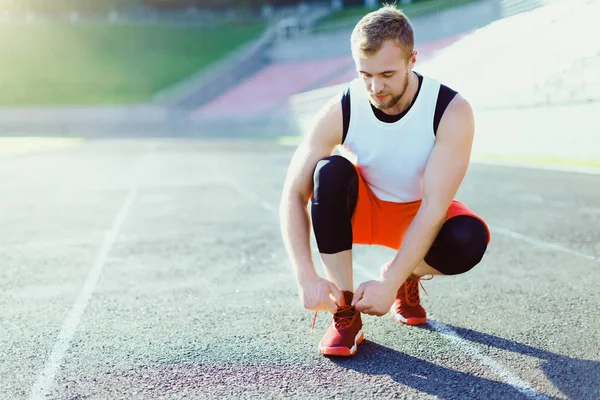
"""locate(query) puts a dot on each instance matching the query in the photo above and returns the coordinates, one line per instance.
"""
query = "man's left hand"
(374, 297)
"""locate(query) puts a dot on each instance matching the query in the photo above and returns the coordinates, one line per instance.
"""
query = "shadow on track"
(575, 378)
(445, 383)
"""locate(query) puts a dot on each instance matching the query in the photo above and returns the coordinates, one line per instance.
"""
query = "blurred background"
(259, 67)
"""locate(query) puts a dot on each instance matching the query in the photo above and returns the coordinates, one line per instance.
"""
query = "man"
(410, 138)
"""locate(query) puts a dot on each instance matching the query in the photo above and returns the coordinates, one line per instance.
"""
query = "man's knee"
(333, 178)
(334, 199)
(459, 246)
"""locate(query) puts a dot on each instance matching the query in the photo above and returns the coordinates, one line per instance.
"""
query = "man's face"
(385, 74)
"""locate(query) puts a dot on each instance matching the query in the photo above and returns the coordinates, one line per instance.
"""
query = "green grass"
(85, 64)
(347, 18)
(45, 6)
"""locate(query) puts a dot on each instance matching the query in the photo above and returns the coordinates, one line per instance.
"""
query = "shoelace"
(412, 289)
(342, 318)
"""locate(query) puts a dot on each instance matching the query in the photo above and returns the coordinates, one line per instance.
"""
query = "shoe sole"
(409, 321)
(343, 351)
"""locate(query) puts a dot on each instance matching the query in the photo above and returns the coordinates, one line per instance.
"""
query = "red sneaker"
(407, 307)
(344, 334)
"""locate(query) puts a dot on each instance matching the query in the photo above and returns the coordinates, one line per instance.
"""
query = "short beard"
(395, 99)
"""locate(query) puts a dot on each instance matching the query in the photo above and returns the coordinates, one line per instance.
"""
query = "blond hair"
(386, 23)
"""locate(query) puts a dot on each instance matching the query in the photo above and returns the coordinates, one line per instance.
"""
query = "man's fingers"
(369, 311)
(331, 306)
(337, 293)
(362, 307)
(358, 295)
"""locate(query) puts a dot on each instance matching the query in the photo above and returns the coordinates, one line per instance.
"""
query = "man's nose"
(376, 85)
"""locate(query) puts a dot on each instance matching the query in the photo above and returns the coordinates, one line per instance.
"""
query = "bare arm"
(445, 171)
(320, 142)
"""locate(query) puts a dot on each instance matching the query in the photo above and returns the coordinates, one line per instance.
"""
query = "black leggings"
(458, 247)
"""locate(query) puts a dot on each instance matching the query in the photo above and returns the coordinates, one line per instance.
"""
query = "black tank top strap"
(445, 96)
(345, 112)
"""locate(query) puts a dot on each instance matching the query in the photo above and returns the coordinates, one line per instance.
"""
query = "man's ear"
(412, 59)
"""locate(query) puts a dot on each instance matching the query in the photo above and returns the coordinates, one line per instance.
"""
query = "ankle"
(348, 296)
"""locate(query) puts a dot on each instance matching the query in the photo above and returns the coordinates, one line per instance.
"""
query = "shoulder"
(457, 121)
(327, 125)
(460, 108)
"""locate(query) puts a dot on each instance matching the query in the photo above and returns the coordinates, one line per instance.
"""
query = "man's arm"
(445, 171)
(320, 142)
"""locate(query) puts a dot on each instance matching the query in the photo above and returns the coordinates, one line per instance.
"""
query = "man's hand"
(374, 297)
(320, 294)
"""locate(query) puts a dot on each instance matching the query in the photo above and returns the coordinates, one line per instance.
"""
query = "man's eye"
(388, 75)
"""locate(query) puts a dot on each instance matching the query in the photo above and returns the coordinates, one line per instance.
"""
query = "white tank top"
(392, 156)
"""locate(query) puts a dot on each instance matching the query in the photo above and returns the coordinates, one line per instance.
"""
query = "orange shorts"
(384, 223)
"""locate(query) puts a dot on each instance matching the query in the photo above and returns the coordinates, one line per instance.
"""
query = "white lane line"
(253, 197)
(543, 244)
(45, 379)
(536, 199)
(507, 377)
(450, 334)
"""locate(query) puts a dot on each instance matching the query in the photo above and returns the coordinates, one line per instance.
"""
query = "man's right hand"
(318, 294)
